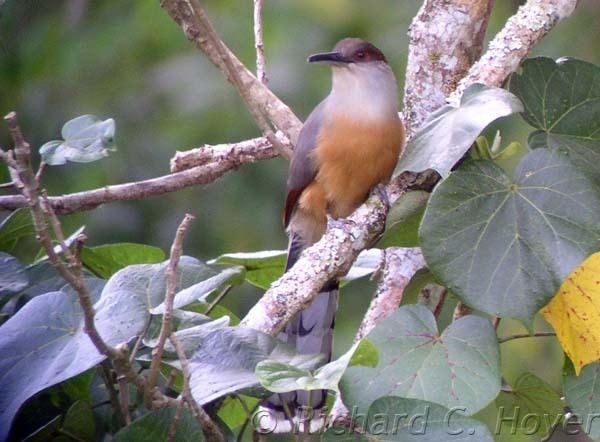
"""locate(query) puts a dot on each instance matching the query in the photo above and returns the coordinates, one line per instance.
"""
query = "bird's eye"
(360, 54)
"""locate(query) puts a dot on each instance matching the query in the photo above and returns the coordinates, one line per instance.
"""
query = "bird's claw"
(382, 193)
(337, 223)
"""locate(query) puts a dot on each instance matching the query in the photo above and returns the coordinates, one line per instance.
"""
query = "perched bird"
(349, 144)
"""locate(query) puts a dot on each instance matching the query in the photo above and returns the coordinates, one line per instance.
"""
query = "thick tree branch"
(335, 252)
(331, 257)
(207, 163)
(446, 37)
(521, 33)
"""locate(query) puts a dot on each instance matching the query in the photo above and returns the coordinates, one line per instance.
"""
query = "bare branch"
(212, 432)
(192, 19)
(446, 37)
(215, 162)
(24, 171)
(521, 33)
(171, 278)
(400, 266)
(261, 72)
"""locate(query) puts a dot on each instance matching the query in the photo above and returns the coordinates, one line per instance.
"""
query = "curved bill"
(330, 57)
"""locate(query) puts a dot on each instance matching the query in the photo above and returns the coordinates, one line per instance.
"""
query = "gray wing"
(302, 167)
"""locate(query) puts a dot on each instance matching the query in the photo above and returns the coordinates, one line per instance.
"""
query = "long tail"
(309, 332)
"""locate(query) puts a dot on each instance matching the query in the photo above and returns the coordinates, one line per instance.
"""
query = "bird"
(349, 144)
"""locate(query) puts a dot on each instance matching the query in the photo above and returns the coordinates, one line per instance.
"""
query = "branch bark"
(335, 252)
(521, 33)
(400, 265)
(446, 37)
(329, 258)
(197, 166)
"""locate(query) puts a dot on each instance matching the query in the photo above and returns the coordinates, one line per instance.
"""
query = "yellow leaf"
(575, 313)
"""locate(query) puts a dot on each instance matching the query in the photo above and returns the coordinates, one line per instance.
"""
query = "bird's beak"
(329, 57)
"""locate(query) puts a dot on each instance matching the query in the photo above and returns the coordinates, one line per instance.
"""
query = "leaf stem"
(525, 335)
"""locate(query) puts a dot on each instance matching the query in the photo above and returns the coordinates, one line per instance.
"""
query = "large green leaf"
(505, 246)
(14, 227)
(281, 377)
(562, 101)
(44, 343)
(530, 395)
(411, 420)
(226, 359)
(450, 131)
(262, 268)
(460, 367)
(583, 396)
(108, 259)
(155, 426)
(86, 138)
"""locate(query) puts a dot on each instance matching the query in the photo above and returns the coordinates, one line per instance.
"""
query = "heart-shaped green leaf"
(86, 138)
(505, 246)
(562, 101)
(35, 340)
(281, 377)
(460, 367)
(450, 131)
(226, 359)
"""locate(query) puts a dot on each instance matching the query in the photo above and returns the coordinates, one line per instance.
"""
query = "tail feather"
(309, 331)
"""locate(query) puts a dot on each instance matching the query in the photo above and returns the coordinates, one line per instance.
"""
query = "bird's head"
(349, 52)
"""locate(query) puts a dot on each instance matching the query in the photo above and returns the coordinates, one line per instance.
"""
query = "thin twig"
(30, 192)
(185, 13)
(252, 104)
(171, 281)
(173, 428)
(124, 395)
(525, 335)
(107, 374)
(461, 310)
(261, 72)
(40, 172)
(7, 185)
(57, 229)
(212, 432)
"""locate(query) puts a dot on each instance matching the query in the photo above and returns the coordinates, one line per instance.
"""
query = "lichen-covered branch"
(198, 166)
(509, 48)
(446, 37)
(330, 257)
(400, 265)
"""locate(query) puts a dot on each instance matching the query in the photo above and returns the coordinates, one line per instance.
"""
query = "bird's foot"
(381, 191)
(338, 223)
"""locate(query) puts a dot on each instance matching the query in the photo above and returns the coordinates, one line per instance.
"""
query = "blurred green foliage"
(129, 61)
